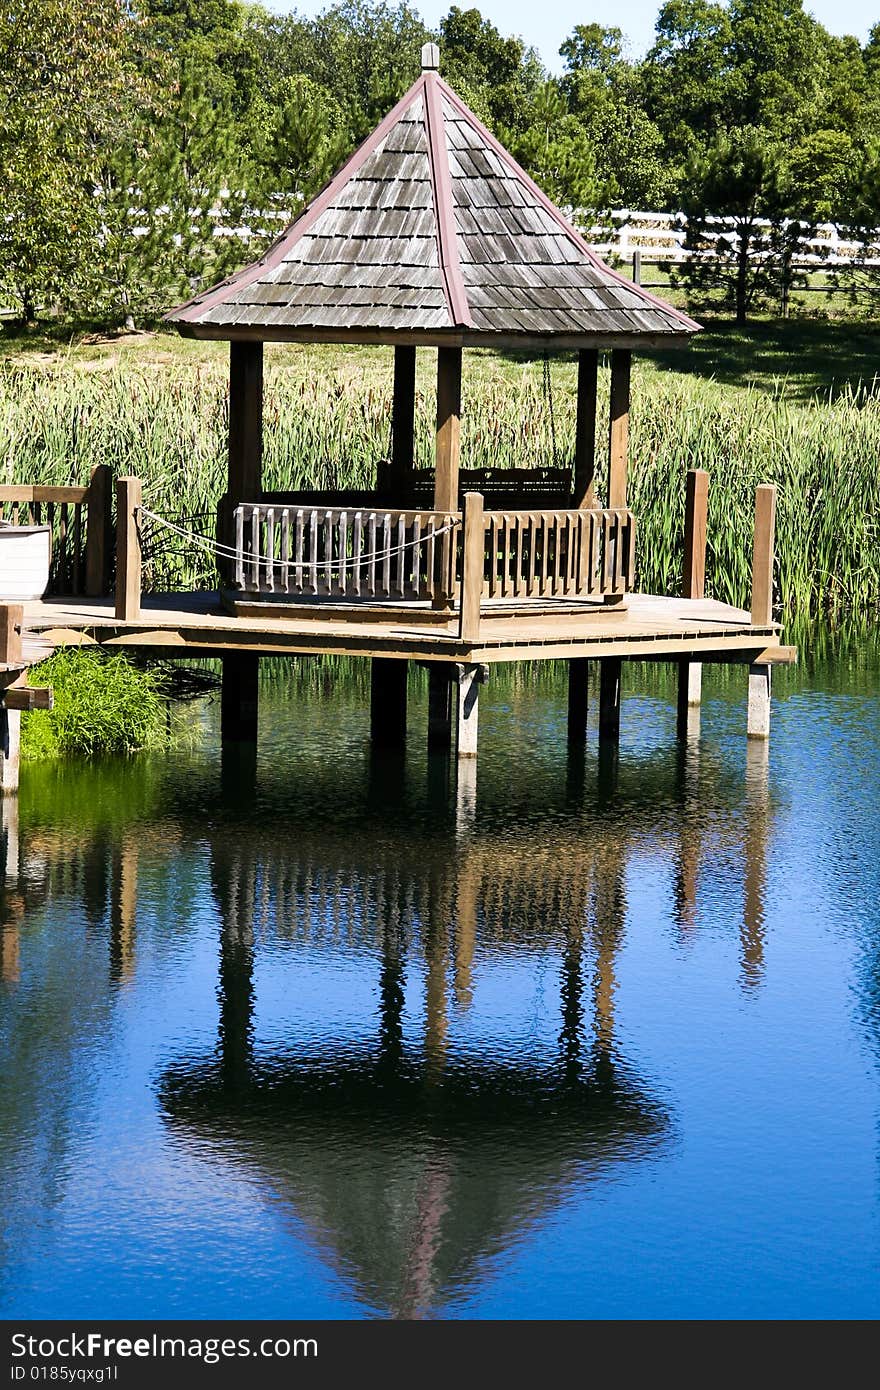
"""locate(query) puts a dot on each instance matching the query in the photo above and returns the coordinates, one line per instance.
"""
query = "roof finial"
(430, 57)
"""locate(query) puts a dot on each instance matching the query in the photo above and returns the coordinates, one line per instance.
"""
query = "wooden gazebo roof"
(431, 233)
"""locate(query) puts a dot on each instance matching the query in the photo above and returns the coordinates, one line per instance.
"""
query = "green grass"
(103, 705)
(789, 403)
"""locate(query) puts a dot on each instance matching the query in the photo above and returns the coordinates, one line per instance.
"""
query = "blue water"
(320, 1038)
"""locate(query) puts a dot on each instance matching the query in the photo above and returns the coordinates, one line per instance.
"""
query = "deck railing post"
(129, 495)
(690, 673)
(473, 564)
(11, 621)
(762, 606)
(99, 532)
(762, 555)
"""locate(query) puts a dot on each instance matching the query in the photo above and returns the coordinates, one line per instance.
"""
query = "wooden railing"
(81, 525)
(557, 554)
(339, 553)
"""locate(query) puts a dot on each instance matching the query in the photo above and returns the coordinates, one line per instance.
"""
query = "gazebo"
(431, 235)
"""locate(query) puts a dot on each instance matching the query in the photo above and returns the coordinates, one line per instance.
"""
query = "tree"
(50, 143)
(739, 177)
(554, 148)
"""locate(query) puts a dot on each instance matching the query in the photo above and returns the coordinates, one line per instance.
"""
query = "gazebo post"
(245, 422)
(448, 429)
(403, 413)
(618, 441)
(585, 428)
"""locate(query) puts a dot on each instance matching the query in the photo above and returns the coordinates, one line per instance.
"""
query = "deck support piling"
(388, 702)
(439, 707)
(239, 697)
(609, 699)
(759, 702)
(578, 700)
(470, 678)
(10, 750)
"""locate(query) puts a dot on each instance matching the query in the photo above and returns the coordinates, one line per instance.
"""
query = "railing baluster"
(285, 549)
(239, 547)
(270, 549)
(77, 547)
(313, 551)
(371, 551)
(343, 551)
(299, 543)
(255, 548)
(415, 568)
(401, 556)
(63, 546)
(386, 555)
(357, 545)
(328, 551)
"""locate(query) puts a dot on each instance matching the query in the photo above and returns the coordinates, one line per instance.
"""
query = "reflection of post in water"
(391, 993)
(690, 840)
(420, 1283)
(467, 892)
(234, 895)
(609, 923)
(436, 1018)
(757, 814)
(11, 900)
(123, 905)
(572, 991)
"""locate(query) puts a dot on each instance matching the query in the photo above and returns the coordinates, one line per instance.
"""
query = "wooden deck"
(644, 628)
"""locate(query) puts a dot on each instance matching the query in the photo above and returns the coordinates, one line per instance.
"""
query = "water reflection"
(418, 1145)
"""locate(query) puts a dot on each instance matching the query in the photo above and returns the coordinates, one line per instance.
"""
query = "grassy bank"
(158, 408)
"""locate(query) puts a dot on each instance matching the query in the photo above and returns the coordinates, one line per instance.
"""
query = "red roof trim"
(550, 207)
(192, 310)
(444, 209)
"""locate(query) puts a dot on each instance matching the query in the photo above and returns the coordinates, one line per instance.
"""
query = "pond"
(316, 1034)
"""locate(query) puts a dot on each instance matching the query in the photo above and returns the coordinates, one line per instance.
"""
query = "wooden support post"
(403, 415)
(10, 750)
(690, 673)
(609, 699)
(245, 422)
(637, 267)
(470, 678)
(618, 442)
(759, 702)
(128, 549)
(239, 697)
(440, 706)
(448, 429)
(762, 555)
(473, 567)
(10, 847)
(578, 676)
(585, 428)
(99, 531)
(388, 701)
(11, 622)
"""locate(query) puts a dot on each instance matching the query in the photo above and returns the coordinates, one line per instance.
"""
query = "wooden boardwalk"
(644, 628)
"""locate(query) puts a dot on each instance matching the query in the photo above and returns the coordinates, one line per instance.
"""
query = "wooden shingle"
(432, 230)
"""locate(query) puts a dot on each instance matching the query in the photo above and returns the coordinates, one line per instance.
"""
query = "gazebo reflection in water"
(432, 1135)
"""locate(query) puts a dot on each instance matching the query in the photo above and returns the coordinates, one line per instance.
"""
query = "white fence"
(660, 236)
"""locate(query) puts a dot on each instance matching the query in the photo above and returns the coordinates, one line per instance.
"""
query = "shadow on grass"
(802, 359)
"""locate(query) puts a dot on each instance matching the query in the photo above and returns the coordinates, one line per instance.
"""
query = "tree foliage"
(198, 126)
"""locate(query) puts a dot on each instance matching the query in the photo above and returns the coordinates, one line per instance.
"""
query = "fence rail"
(80, 522)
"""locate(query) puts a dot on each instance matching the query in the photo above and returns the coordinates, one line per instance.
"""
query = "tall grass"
(327, 423)
(103, 704)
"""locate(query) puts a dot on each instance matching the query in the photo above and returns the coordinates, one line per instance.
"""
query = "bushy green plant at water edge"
(103, 704)
(327, 423)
